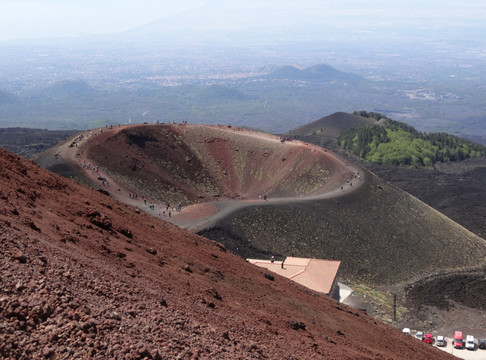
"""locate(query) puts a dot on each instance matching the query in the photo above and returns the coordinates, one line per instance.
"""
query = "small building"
(315, 274)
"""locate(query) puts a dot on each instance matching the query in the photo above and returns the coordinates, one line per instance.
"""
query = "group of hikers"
(357, 177)
(284, 139)
(167, 211)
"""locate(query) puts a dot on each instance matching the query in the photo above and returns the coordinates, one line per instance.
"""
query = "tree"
(396, 143)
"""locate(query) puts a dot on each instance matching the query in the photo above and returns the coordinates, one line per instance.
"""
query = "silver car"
(440, 341)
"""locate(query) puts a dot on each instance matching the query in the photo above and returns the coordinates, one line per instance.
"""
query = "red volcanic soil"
(85, 276)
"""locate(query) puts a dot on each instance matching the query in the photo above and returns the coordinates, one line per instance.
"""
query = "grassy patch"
(381, 302)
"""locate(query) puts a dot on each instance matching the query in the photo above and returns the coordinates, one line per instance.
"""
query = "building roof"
(316, 274)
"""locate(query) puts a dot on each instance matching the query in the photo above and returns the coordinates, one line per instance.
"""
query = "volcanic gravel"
(84, 276)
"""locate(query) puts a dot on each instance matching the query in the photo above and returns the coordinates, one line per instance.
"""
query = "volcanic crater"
(187, 163)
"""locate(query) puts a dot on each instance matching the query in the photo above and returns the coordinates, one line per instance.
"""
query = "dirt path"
(192, 219)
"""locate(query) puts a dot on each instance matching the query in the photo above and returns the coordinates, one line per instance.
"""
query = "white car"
(470, 345)
(419, 335)
(440, 341)
(406, 331)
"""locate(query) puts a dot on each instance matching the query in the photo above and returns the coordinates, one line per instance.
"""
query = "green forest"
(391, 142)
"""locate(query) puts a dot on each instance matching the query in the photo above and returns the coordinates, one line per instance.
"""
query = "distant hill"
(376, 138)
(332, 125)
(321, 72)
(326, 130)
(286, 72)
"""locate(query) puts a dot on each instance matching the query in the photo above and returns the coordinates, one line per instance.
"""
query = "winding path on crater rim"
(203, 215)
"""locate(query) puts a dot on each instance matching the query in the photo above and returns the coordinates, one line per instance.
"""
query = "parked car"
(470, 345)
(406, 331)
(482, 343)
(428, 339)
(457, 340)
(419, 335)
(440, 341)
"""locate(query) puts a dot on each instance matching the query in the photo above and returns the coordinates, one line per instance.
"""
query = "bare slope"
(456, 189)
(333, 124)
(326, 130)
(84, 276)
(30, 142)
(381, 234)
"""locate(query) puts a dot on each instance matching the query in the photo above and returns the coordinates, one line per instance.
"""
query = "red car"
(428, 339)
(457, 341)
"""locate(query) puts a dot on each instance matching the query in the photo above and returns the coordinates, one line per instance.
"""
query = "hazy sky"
(47, 18)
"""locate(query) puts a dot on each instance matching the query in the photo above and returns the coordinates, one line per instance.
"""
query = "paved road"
(476, 354)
